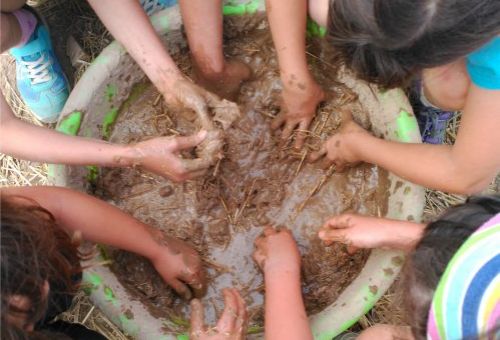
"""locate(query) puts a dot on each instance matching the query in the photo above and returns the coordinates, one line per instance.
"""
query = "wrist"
(405, 236)
(128, 157)
(166, 81)
(357, 144)
(272, 270)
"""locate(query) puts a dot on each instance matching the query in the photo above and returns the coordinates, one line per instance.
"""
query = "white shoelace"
(151, 6)
(38, 70)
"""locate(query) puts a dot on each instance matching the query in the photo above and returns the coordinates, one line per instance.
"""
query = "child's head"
(34, 253)
(440, 242)
(388, 41)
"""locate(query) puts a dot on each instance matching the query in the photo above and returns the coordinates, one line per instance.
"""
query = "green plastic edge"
(406, 126)
(314, 30)
(241, 9)
(95, 282)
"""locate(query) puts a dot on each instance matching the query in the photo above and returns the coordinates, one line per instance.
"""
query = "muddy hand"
(232, 324)
(298, 108)
(276, 249)
(341, 149)
(179, 265)
(161, 156)
(225, 113)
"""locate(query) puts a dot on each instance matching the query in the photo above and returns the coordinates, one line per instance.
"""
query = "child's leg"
(11, 32)
(203, 22)
(446, 86)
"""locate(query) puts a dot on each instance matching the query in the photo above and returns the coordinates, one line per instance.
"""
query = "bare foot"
(225, 84)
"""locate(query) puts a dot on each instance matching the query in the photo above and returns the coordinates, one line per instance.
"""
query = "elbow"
(471, 185)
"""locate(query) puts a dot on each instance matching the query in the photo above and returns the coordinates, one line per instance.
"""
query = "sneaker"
(153, 6)
(432, 121)
(40, 79)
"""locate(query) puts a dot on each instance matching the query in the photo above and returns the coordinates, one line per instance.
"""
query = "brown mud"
(258, 182)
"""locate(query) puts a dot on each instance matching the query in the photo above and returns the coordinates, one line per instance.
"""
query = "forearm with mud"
(97, 221)
(203, 22)
(287, 20)
(129, 24)
(285, 314)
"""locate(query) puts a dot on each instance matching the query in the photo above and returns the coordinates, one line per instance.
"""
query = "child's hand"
(341, 148)
(232, 324)
(161, 156)
(179, 265)
(298, 109)
(276, 250)
(371, 232)
(194, 97)
(356, 231)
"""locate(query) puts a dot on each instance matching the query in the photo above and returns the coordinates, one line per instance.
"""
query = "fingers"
(337, 235)
(181, 289)
(198, 283)
(197, 318)
(351, 250)
(318, 154)
(195, 165)
(196, 174)
(301, 135)
(288, 130)
(228, 318)
(268, 230)
(278, 121)
(241, 321)
(187, 142)
(339, 222)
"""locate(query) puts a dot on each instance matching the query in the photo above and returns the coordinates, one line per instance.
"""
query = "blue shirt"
(483, 65)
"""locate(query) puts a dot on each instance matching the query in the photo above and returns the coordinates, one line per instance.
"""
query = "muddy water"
(260, 181)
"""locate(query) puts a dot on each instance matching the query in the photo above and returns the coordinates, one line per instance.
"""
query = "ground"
(75, 18)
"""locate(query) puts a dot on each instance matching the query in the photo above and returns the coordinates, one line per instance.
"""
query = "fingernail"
(202, 133)
(321, 234)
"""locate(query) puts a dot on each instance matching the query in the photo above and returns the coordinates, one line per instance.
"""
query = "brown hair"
(441, 240)
(34, 250)
(388, 41)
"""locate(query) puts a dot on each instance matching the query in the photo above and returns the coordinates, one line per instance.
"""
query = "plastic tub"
(93, 107)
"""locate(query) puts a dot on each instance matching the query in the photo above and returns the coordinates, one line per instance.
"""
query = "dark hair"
(34, 250)
(388, 41)
(441, 240)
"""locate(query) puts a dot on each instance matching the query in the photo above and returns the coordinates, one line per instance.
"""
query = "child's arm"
(466, 167)
(277, 255)
(367, 232)
(129, 24)
(36, 143)
(99, 222)
(301, 93)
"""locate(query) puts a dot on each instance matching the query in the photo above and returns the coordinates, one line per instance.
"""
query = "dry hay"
(76, 17)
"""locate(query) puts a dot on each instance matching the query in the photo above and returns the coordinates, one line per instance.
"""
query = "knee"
(447, 89)
(318, 11)
(7, 31)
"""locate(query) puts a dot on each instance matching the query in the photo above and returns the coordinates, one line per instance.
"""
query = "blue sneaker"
(40, 79)
(432, 121)
(153, 6)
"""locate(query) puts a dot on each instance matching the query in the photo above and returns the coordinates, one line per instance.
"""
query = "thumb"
(197, 318)
(186, 142)
(332, 235)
